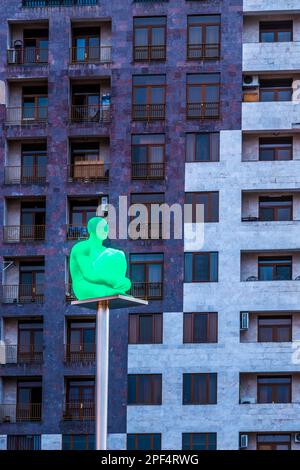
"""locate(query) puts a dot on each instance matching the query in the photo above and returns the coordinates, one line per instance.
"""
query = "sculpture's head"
(98, 227)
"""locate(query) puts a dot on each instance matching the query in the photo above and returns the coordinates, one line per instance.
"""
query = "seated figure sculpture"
(97, 271)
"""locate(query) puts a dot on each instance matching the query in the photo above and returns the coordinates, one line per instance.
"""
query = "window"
(26, 442)
(274, 389)
(33, 163)
(203, 96)
(148, 156)
(149, 38)
(150, 225)
(276, 208)
(32, 278)
(275, 269)
(200, 327)
(144, 389)
(203, 37)
(273, 441)
(201, 267)
(86, 45)
(276, 31)
(89, 104)
(29, 399)
(277, 148)
(88, 162)
(199, 389)
(78, 442)
(145, 328)
(80, 399)
(148, 97)
(35, 46)
(143, 441)
(203, 147)
(30, 342)
(274, 329)
(80, 345)
(35, 103)
(147, 275)
(277, 89)
(81, 211)
(199, 441)
(210, 201)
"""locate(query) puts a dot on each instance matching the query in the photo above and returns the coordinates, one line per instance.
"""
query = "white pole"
(102, 354)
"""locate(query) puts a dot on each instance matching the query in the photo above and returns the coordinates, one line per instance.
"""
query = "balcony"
(23, 293)
(57, 3)
(27, 56)
(20, 412)
(16, 354)
(80, 353)
(147, 290)
(29, 174)
(148, 112)
(203, 110)
(90, 114)
(149, 53)
(77, 232)
(79, 411)
(256, 116)
(148, 171)
(21, 116)
(88, 172)
(91, 55)
(271, 57)
(23, 233)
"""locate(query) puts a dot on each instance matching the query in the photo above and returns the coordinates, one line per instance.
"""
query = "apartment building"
(163, 101)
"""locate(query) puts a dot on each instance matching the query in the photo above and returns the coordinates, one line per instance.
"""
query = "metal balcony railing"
(29, 174)
(27, 442)
(80, 353)
(76, 232)
(88, 172)
(20, 354)
(144, 171)
(13, 413)
(91, 55)
(25, 116)
(148, 112)
(147, 290)
(27, 56)
(23, 233)
(79, 410)
(203, 110)
(148, 53)
(57, 3)
(90, 113)
(23, 293)
(203, 51)
(70, 296)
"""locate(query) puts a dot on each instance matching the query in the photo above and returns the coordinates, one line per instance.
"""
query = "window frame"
(276, 207)
(135, 436)
(149, 45)
(203, 103)
(270, 26)
(203, 253)
(138, 377)
(148, 105)
(274, 265)
(211, 135)
(274, 388)
(204, 44)
(208, 388)
(189, 329)
(192, 436)
(274, 328)
(210, 215)
(157, 328)
(273, 444)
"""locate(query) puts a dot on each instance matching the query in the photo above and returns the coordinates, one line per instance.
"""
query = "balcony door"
(32, 277)
(35, 46)
(147, 275)
(80, 214)
(80, 399)
(33, 219)
(81, 341)
(86, 103)
(29, 400)
(86, 45)
(33, 163)
(35, 103)
(30, 342)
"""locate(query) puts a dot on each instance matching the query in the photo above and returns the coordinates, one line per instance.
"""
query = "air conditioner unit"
(244, 441)
(104, 203)
(248, 401)
(250, 81)
(244, 321)
(297, 437)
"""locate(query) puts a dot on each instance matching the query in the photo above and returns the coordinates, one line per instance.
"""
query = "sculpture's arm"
(80, 257)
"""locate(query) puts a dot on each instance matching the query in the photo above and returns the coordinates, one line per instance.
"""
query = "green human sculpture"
(97, 271)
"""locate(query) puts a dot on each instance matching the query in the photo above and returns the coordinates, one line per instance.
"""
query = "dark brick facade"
(58, 131)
